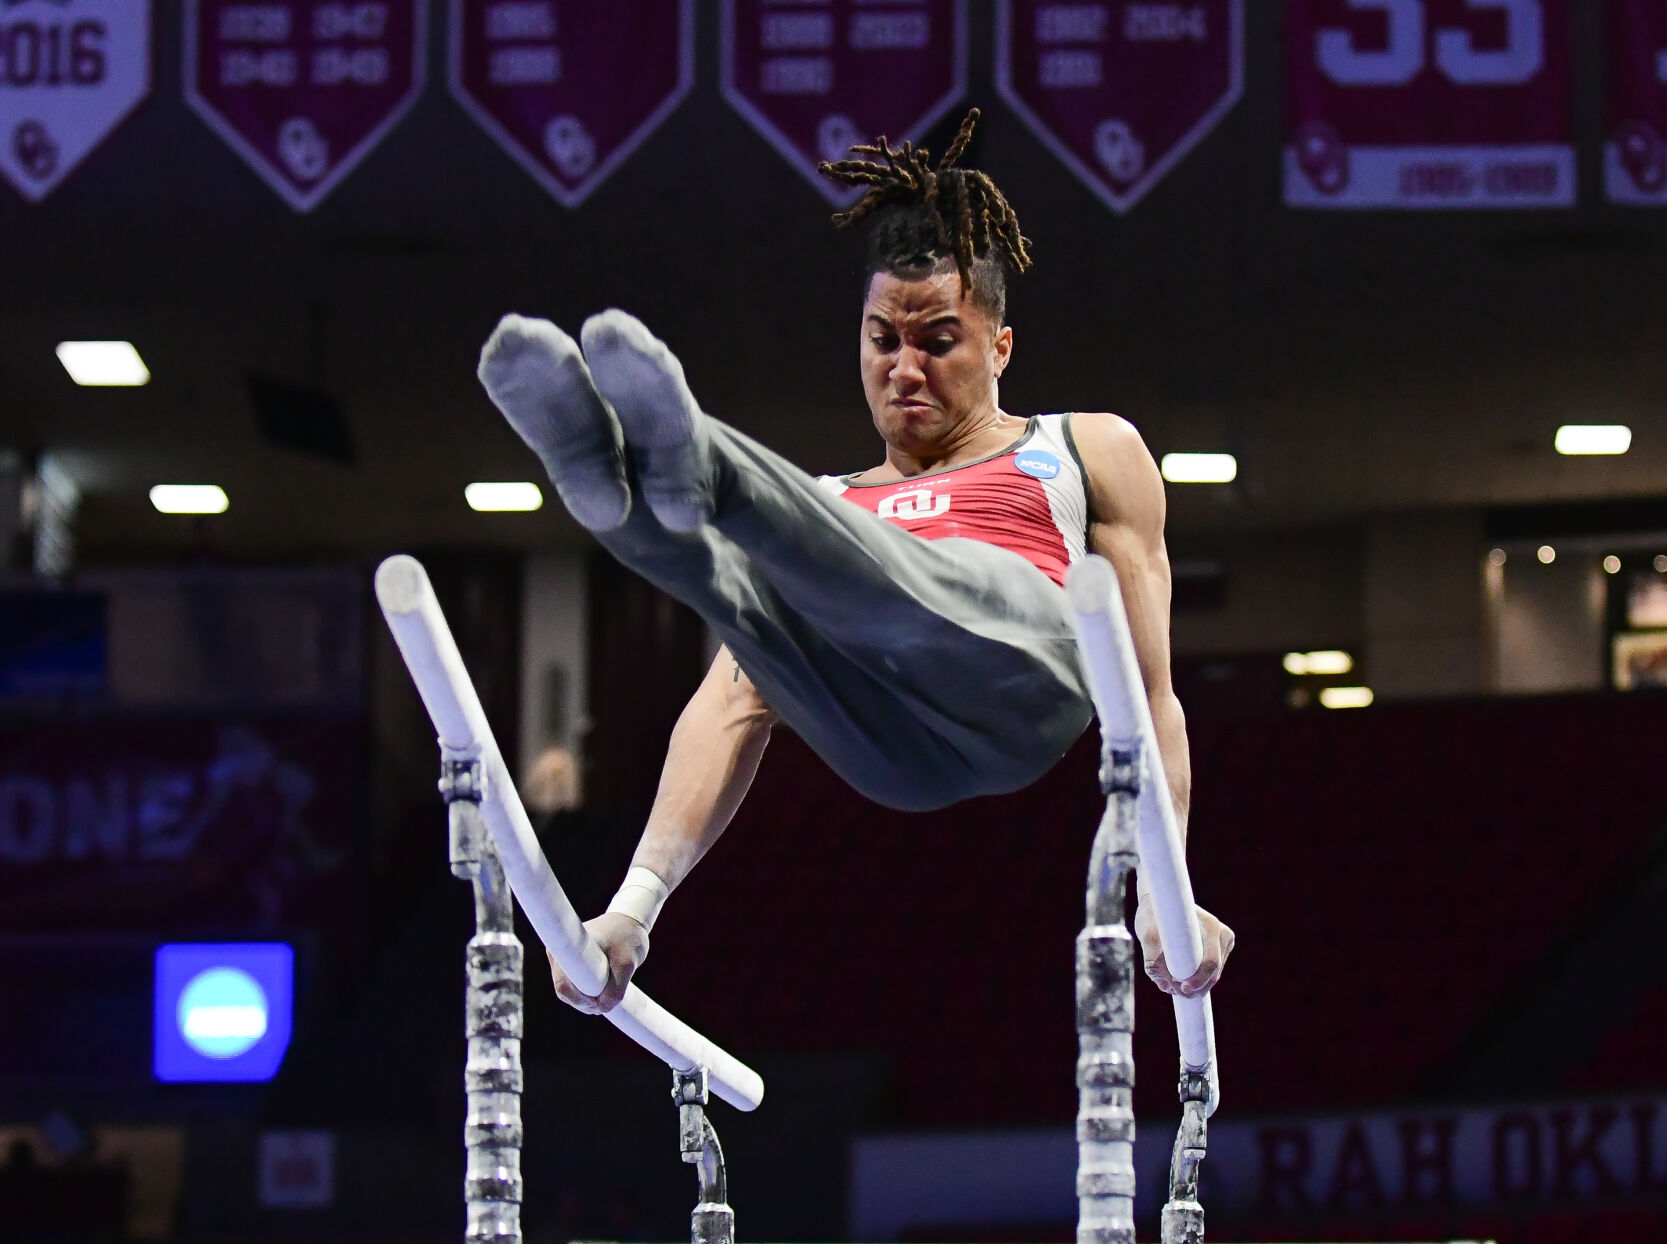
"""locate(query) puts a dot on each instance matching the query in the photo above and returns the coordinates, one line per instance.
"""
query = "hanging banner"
(1428, 104)
(571, 90)
(1491, 1168)
(304, 91)
(1120, 92)
(820, 76)
(1635, 153)
(70, 72)
(178, 823)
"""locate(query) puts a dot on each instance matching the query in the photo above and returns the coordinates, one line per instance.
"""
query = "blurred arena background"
(1444, 1017)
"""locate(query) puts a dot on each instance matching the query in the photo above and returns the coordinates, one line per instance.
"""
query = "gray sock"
(644, 383)
(534, 374)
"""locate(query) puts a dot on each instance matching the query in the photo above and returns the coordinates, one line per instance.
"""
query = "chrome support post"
(1183, 1217)
(713, 1221)
(1105, 1012)
(492, 1018)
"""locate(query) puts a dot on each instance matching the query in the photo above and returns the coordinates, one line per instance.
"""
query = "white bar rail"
(1119, 693)
(425, 641)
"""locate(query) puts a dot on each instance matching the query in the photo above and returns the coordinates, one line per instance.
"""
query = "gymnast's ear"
(1003, 348)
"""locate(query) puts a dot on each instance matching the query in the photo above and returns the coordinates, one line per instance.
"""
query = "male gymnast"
(908, 621)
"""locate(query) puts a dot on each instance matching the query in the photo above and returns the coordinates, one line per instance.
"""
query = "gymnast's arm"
(710, 763)
(1127, 508)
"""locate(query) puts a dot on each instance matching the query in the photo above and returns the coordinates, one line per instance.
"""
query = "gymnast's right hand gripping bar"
(1119, 692)
(425, 641)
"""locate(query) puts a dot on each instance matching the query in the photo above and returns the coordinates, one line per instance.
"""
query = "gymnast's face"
(930, 360)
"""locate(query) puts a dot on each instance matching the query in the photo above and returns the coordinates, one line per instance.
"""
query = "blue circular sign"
(1036, 463)
(222, 1012)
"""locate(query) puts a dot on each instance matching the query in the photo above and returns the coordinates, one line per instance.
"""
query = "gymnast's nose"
(909, 372)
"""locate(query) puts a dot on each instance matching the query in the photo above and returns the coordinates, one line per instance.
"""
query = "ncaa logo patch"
(1036, 463)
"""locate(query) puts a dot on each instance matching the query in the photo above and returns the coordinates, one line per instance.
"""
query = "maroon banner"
(572, 98)
(1120, 92)
(177, 825)
(817, 77)
(1414, 1173)
(1428, 104)
(304, 91)
(1635, 153)
(70, 72)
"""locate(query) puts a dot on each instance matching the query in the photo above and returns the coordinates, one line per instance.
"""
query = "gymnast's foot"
(643, 381)
(534, 373)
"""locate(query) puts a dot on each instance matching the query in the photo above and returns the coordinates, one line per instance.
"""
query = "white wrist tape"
(641, 896)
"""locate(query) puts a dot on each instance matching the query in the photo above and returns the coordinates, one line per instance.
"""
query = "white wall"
(11, 503)
(554, 613)
(1548, 623)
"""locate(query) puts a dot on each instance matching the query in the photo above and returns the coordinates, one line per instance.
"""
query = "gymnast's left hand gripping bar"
(1113, 668)
(425, 641)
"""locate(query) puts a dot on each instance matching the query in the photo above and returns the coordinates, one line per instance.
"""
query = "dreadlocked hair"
(926, 216)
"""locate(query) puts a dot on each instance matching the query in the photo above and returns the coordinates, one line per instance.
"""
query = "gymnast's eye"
(885, 343)
(940, 345)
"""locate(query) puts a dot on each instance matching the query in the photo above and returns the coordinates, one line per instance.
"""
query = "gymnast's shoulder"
(1110, 444)
(1123, 480)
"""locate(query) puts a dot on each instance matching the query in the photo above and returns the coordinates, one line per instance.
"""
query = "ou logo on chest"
(915, 504)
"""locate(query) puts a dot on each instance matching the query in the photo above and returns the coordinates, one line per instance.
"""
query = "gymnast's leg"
(867, 640)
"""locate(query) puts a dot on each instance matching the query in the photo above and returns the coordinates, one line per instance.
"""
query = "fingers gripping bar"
(425, 641)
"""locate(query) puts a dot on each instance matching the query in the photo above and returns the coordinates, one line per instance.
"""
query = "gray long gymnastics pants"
(922, 671)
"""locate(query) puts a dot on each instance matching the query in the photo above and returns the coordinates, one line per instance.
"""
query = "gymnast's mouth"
(911, 403)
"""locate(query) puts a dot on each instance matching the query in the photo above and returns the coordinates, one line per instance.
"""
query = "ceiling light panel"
(189, 498)
(1346, 697)
(489, 498)
(1593, 438)
(104, 364)
(1188, 468)
(1330, 661)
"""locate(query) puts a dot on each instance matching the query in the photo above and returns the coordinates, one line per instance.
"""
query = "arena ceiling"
(1354, 362)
